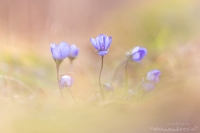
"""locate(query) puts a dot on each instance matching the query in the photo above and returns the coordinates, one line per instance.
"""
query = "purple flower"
(153, 76)
(101, 43)
(138, 53)
(73, 52)
(66, 81)
(60, 52)
(148, 87)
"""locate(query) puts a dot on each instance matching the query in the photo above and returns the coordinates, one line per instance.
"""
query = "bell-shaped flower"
(73, 52)
(138, 53)
(108, 87)
(60, 52)
(101, 44)
(153, 76)
(148, 87)
(66, 82)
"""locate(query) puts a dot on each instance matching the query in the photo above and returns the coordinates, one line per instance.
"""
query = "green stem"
(100, 78)
(126, 73)
(71, 65)
(138, 97)
(57, 70)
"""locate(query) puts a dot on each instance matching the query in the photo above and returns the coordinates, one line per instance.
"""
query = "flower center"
(102, 46)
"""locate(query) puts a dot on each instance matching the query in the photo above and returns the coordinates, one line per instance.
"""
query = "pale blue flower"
(60, 52)
(148, 87)
(73, 52)
(138, 53)
(101, 44)
(153, 76)
(66, 82)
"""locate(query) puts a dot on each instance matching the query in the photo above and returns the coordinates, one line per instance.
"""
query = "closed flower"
(73, 52)
(153, 76)
(66, 82)
(60, 52)
(148, 87)
(138, 53)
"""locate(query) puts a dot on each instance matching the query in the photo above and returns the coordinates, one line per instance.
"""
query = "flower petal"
(53, 45)
(157, 72)
(136, 49)
(142, 52)
(63, 45)
(65, 51)
(102, 39)
(56, 53)
(102, 42)
(108, 41)
(150, 76)
(148, 87)
(73, 51)
(97, 43)
(66, 81)
(102, 53)
(153, 76)
(136, 56)
(93, 41)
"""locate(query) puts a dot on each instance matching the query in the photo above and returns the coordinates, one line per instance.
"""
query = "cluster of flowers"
(101, 43)
(59, 53)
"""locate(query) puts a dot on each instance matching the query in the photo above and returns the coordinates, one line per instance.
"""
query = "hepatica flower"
(73, 52)
(66, 82)
(59, 52)
(153, 76)
(101, 44)
(148, 87)
(138, 53)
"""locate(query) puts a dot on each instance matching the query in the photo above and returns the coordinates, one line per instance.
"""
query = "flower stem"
(100, 78)
(126, 74)
(138, 96)
(57, 70)
(72, 96)
(71, 65)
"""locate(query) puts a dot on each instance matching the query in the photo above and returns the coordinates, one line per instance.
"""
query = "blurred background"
(169, 29)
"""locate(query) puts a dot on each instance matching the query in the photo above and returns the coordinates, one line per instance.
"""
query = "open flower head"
(148, 87)
(60, 52)
(153, 76)
(101, 44)
(138, 53)
(66, 82)
(73, 52)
